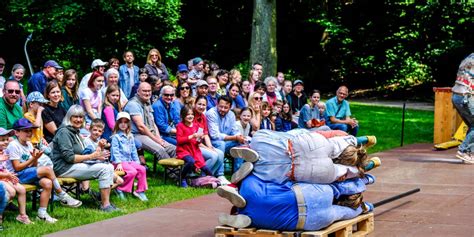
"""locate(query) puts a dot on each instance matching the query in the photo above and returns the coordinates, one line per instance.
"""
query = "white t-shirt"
(17, 151)
(95, 98)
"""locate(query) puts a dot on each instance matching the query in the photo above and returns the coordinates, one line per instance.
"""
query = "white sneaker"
(223, 180)
(232, 195)
(47, 218)
(236, 221)
(244, 170)
(67, 200)
(245, 153)
(466, 157)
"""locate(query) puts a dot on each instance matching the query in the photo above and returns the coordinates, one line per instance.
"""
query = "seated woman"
(310, 116)
(68, 158)
(304, 156)
(275, 206)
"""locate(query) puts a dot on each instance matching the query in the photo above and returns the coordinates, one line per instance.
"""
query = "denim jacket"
(123, 148)
(124, 79)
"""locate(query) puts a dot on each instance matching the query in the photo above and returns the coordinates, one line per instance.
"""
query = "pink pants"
(133, 170)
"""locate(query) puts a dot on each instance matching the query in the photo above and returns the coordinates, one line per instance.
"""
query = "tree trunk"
(263, 45)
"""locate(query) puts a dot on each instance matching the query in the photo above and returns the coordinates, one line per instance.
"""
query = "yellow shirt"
(37, 132)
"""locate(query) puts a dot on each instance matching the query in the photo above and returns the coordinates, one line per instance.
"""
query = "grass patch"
(383, 122)
(386, 124)
(158, 193)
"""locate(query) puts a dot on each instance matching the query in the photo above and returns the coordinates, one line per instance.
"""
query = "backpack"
(206, 182)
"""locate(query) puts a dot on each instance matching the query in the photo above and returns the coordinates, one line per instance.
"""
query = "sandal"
(24, 219)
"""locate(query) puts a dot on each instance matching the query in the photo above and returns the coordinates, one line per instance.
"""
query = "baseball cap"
(298, 82)
(182, 68)
(98, 63)
(201, 83)
(52, 63)
(4, 132)
(123, 115)
(23, 123)
(36, 96)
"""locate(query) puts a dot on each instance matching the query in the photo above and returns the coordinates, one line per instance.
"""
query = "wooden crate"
(359, 226)
(446, 118)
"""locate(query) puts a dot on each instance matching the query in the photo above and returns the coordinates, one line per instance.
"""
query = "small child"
(243, 124)
(188, 138)
(91, 143)
(10, 181)
(266, 122)
(124, 156)
(142, 76)
(23, 162)
(322, 109)
(34, 109)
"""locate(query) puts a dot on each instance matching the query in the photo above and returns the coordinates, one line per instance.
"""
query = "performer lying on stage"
(298, 206)
(301, 155)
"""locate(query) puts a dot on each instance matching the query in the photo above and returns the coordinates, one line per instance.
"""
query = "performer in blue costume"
(296, 206)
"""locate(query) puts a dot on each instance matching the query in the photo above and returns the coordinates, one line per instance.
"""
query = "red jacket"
(188, 147)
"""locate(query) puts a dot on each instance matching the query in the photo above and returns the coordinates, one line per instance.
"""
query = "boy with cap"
(298, 97)
(198, 65)
(23, 161)
(38, 80)
(34, 106)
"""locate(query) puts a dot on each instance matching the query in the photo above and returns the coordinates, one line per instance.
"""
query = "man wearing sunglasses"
(38, 80)
(10, 111)
(166, 114)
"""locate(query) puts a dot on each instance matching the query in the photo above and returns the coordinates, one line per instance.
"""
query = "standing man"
(10, 111)
(464, 104)
(222, 128)
(259, 68)
(38, 80)
(128, 73)
(338, 113)
(143, 124)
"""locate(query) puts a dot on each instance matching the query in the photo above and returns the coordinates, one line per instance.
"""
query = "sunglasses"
(168, 95)
(185, 88)
(257, 98)
(10, 91)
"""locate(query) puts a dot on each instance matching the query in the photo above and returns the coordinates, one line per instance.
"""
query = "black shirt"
(52, 114)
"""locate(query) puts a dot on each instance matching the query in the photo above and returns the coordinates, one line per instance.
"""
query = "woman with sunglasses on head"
(155, 66)
(255, 103)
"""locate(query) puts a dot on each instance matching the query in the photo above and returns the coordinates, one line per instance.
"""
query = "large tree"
(263, 43)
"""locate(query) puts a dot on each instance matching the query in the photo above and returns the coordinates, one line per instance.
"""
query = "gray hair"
(110, 72)
(74, 110)
(162, 91)
(268, 79)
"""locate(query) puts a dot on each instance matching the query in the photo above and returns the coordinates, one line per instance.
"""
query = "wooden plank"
(359, 226)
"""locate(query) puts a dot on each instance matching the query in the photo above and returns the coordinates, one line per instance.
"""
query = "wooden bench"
(73, 186)
(34, 196)
(172, 166)
(359, 226)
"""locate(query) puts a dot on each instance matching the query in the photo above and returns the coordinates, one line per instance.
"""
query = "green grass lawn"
(383, 122)
(386, 124)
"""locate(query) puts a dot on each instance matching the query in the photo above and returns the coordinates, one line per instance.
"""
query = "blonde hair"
(148, 58)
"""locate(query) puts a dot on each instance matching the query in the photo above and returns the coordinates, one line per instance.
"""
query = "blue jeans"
(465, 107)
(214, 160)
(225, 146)
(3, 198)
(169, 139)
(344, 127)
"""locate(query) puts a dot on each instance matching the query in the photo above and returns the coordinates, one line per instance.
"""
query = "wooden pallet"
(359, 226)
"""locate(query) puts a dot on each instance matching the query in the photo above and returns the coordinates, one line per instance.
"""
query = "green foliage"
(75, 33)
(399, 47)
